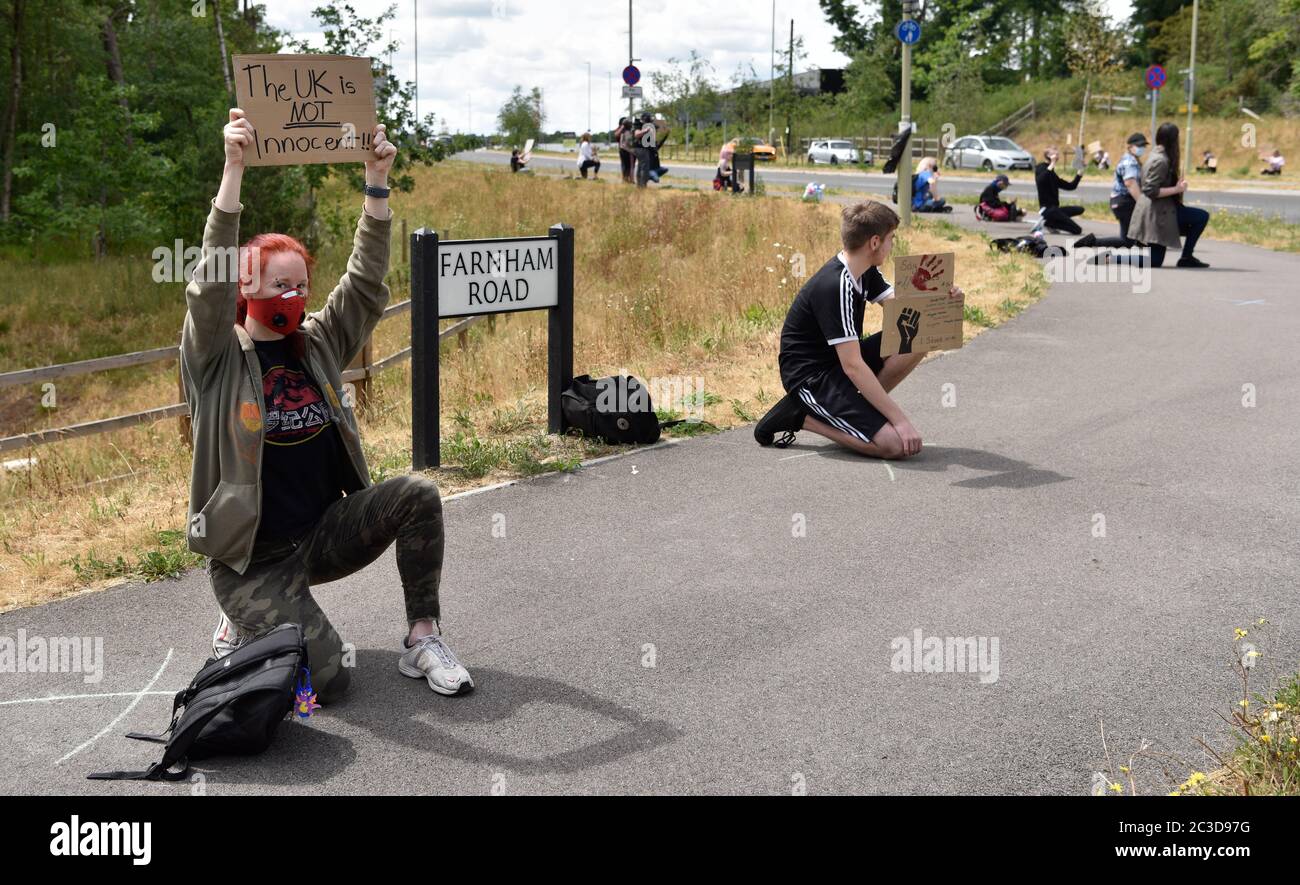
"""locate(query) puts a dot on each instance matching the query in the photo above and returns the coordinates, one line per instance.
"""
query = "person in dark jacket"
(1055, 216)
(991, 206)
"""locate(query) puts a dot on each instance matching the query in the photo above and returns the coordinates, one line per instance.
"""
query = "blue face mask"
(1139, 151)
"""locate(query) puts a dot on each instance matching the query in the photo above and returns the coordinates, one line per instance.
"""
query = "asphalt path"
(713, 617)
(1243, 199)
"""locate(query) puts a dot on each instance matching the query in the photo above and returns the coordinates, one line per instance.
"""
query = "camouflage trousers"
(350, 535)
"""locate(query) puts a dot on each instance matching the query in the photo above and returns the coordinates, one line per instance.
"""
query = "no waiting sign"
(1155, 77)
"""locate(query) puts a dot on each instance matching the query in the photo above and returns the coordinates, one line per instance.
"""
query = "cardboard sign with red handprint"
(922, 317)
(924, 274)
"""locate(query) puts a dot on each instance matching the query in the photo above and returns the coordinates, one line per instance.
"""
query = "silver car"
(987, 152)
(835, 151)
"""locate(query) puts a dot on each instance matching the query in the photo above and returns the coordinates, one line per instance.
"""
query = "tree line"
(110, 128)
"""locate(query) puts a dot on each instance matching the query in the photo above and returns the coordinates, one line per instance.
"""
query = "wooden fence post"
(183, 422)
(363, 360)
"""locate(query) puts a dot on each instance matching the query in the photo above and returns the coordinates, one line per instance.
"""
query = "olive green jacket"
(223, 381)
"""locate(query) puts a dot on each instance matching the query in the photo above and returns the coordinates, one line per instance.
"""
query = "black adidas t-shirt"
(303, 457)
(827, 311)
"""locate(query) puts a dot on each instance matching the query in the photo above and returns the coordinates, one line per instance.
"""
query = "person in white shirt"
(587, 157)
(1275, 164)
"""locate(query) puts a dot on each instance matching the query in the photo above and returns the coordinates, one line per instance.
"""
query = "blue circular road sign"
(631, 75)
(1156, 76)
(908, 31)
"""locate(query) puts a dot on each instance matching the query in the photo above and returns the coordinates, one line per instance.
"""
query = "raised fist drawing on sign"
(909, 323)
(930, 267)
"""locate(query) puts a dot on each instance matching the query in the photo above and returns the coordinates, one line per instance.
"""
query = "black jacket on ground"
(1050, 184)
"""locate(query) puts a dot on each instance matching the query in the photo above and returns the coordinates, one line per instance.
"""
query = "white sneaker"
(225, 638)
(430, 658)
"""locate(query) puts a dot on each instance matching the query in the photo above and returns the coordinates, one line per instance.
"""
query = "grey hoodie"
(223, 381)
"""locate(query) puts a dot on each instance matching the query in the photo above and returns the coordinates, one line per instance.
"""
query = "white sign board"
(632, 92)
(496, 276)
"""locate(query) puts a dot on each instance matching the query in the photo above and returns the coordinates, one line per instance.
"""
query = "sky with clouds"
(473, 52)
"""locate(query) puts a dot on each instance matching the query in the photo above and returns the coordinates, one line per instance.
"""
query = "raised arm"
(211, 294)
(357, 303)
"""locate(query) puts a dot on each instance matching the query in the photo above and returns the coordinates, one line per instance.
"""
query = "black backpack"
(615, 409)
(1031, 245)
(232, 707)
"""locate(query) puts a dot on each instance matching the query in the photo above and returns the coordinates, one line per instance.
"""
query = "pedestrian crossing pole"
(1191, 93)
(905, 164)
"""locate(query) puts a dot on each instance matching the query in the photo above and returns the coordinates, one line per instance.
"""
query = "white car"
(987, 152)
(835, 152)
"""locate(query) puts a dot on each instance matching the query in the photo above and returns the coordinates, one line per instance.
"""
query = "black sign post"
(425, 313)
(743, 162)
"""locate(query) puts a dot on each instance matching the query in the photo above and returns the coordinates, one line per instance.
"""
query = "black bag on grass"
(615, 409)
(1031, 245)
(232, 707)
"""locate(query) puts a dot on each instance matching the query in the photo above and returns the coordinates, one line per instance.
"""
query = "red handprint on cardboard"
(924, 274)
(930, 268)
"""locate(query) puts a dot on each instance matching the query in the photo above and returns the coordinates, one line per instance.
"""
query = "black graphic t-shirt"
(303, 456)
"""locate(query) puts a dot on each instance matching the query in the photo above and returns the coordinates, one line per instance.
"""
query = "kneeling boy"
(836, 382)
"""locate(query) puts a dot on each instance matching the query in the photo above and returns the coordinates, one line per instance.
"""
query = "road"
(1244, 199)
(1099, 500)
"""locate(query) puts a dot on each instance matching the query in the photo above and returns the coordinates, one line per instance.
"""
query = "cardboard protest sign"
(924, 274)
(1094, 147)
(921, 317)
(307, 108)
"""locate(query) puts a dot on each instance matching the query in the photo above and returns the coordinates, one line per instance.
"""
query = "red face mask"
(281, 313)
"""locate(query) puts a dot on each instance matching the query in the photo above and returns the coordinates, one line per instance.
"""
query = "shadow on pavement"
(388, 705)
(299, 754)
(1004, 472)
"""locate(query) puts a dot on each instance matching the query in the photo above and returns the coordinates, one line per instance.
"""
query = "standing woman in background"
(1160, 216)
(626, 144)
(276, 448)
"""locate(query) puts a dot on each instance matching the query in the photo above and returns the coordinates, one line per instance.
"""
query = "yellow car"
(761, 149)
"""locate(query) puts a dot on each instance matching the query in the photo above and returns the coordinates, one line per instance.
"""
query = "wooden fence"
(361, 370)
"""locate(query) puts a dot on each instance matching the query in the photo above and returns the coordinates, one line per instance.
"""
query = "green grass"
(977, 316)
(169, 559)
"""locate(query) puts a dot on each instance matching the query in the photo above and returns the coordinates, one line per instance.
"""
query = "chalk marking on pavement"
(890, 469)
(510, 482)
(129, 707)
(80, 697)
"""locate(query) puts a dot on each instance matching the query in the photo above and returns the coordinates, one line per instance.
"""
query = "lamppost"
(905, 164)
